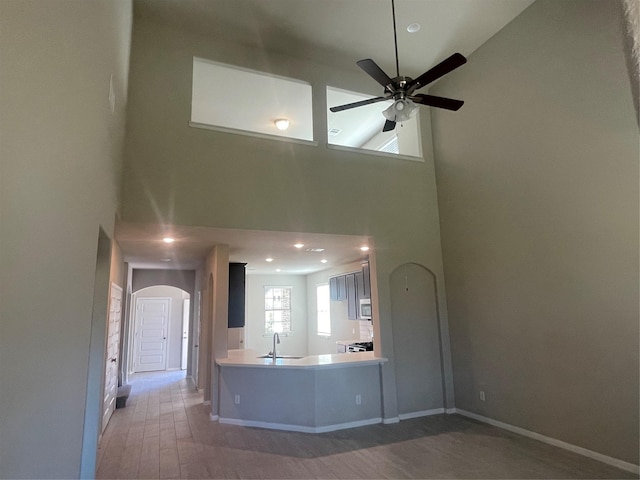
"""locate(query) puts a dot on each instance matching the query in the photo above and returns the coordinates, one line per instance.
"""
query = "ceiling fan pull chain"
(395, 36)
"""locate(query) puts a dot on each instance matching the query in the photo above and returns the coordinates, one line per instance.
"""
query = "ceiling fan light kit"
(401, 89)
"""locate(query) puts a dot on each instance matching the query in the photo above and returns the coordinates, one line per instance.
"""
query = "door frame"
(134, 325)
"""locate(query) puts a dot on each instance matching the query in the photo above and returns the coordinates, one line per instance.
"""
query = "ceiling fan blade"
(361, 103)
(454, 61)
(375, 72)
(440, 102)
(388, 125)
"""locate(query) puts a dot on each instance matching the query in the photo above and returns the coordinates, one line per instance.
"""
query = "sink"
(280, 356)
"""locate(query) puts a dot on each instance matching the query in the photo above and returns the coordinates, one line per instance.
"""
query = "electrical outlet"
(482, 396)
(358, 399)
(236, 400)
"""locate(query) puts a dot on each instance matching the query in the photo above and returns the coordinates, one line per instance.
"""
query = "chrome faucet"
(276, 337)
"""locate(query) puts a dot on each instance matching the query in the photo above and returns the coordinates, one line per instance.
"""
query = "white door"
(196, 339)
(152, 326)
(113, 350)
(185, 333)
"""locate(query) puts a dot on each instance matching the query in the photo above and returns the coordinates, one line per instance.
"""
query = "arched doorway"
(160, 321)
(416, 341)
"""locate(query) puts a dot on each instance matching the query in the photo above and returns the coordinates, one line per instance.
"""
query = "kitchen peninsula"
(314, 394)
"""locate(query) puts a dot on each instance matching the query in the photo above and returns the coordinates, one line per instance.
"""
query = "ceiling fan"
(401, 89)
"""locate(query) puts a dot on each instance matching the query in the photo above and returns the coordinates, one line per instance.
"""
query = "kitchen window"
(323, 308)
(277, 310)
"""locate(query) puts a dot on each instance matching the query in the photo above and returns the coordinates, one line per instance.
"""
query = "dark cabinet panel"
(366, 290)
(352, 297)
(236, 294)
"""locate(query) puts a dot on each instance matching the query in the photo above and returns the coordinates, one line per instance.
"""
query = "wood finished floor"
(165, 432)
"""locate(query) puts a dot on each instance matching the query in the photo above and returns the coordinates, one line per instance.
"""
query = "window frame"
(328, 310)
(267, 331)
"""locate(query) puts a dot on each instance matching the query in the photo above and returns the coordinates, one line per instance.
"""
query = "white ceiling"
(331, 32)
(143, 247)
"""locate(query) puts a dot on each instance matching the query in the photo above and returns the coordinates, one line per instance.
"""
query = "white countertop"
(249, 358)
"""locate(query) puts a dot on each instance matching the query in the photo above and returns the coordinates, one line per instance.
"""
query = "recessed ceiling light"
(324, 260)
(281, 123)
(269, 259)
(364, 248)
(298, 245)
(413, 28)
(168, 240)
(278, 269)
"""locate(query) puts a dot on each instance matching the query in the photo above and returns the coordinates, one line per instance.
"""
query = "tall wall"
(538, 192)
(60, 158)
(176, 174)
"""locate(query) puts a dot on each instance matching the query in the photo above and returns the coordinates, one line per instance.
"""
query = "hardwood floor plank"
(165, 432)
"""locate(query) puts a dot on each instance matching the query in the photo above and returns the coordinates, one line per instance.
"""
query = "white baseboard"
(621, 464)
(390, 420)
(206, 402)
(421, 413)
(213, 418)
(299, 428)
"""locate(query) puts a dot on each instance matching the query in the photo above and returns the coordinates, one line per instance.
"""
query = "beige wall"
(538, 194)
(60, 160)
(177, 174)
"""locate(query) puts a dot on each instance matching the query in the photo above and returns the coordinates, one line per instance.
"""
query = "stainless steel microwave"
(365, 309)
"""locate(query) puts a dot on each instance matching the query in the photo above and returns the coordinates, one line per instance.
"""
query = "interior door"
(185, 333)
(152, 327)
(113, 347)
(195, 353)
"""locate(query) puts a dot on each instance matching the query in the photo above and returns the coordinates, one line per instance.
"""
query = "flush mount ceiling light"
(413, 28)
(324, 260)
(168, 239)
(298, 245)
(364, 248)
(281, 123)
(268, 259)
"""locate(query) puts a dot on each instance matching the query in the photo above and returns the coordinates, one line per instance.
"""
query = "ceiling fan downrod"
(395, 36)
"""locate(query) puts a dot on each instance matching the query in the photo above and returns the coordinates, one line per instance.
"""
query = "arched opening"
(159, 333)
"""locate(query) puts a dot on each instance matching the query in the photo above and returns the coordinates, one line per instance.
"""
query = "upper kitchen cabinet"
(236, 294)
(352, 287)
(337, 288)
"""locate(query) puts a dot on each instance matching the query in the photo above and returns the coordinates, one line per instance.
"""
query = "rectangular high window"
(239, 100)
(361, 127)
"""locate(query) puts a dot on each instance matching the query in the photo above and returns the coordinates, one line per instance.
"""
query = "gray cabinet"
(351, 287)
(337, 288)
(352, 296)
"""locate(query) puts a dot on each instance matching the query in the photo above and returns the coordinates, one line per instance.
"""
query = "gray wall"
(60, 163)
(538, 193)
(191, 176)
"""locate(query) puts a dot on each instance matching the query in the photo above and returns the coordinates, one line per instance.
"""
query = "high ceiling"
(332, 32)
